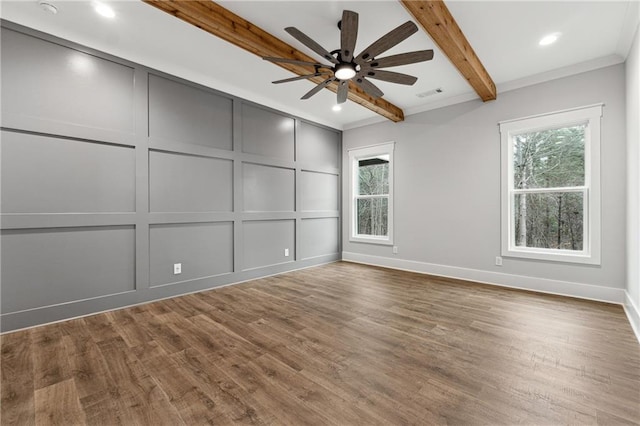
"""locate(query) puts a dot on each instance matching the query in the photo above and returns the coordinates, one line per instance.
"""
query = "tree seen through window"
(548, 177)
(372, 198)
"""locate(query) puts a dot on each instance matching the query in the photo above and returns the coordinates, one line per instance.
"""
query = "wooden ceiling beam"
(216, 20)
(437, 21)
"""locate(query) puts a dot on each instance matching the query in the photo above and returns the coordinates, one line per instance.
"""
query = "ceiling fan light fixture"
(344, 71)
(348, 67)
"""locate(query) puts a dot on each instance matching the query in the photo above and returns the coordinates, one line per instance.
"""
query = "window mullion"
(548, 190)
(368, 196)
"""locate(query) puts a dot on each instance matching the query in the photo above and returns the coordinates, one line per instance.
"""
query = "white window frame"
(355, 155)
(589, 115)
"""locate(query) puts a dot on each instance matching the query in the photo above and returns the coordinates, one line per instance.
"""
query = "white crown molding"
(365, 122)
(555, 74)
(558, 73)
(629, 27)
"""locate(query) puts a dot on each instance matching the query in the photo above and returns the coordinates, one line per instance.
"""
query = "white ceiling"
(504, 34)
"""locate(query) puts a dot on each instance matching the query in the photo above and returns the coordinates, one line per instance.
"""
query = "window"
(551, 186)
(371, 207)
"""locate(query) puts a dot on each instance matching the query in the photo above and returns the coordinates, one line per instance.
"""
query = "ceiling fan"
(348, 67)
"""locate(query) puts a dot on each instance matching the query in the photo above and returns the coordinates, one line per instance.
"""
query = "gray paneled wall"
(111, 173)
(203, 250)
(267, 134)
(318, 191)
(97, 93)
(319, 236)
(258, 184)
(43, 267)
(185, 183)
(187, 114)
(268, 242)
(57, 175)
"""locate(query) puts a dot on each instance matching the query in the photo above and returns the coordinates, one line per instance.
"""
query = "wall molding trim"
(541, 285)
(32, 318)
(633, 314)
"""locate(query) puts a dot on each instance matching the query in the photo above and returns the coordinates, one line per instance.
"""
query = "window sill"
(372, 240)
(563, 256)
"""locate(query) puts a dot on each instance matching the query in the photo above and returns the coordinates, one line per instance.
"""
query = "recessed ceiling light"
(337, 108)
(104, 10)
(549, 39)
(48, 7)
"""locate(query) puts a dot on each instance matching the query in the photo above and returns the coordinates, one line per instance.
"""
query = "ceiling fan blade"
(343, 91)
(368, 87)
(387, 41)
(402, 59)
(392, 77)
(348, 34)
(319, 87)
(311, 44)
(295, 61)
(302, 77)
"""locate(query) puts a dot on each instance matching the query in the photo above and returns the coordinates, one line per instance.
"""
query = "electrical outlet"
(286, 252)
(177, 268)
(498, 261)
(395, 249)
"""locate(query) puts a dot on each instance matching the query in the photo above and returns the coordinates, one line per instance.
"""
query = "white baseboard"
(542, 285)
(633, 314)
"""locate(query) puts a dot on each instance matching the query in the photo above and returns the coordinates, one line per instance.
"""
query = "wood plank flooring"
(339, 344)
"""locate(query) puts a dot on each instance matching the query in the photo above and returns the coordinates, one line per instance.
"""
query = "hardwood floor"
(339, 344)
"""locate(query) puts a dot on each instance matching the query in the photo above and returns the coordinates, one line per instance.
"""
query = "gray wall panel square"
(267, 133)
(268, 188)
(45, 267)
(319, 191)
(265, 241)
(186, 183)
(51, 82)
(318, 146)
(203, 249)
(182, 113)
(319, 237)
(50, 175)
